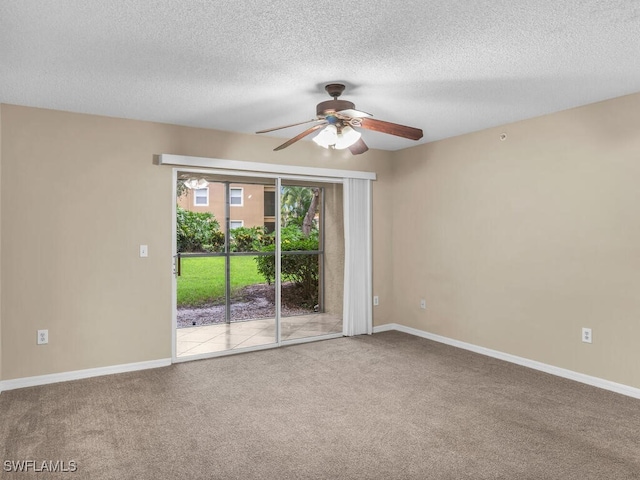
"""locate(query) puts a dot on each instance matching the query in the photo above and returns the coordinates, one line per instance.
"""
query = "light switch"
(144, 251)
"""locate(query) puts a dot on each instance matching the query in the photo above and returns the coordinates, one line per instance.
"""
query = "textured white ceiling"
(448, 67)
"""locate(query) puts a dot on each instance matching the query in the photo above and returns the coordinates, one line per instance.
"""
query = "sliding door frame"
(211, 166)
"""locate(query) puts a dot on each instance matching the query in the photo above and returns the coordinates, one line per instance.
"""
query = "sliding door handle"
(177, 264)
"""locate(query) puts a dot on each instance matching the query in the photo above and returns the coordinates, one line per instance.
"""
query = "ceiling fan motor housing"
(332, 106)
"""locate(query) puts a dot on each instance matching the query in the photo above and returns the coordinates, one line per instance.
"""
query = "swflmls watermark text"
(54, 466)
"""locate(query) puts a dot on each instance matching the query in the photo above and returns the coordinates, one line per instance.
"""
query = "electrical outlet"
(423, 304)
(43, 337)
(586, 335)
(376, 301)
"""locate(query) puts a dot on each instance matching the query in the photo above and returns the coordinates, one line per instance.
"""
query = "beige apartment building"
(250, 205)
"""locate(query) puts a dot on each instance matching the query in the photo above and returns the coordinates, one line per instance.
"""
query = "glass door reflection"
(311, 287)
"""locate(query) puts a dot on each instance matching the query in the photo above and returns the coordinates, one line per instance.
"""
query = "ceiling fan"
(337, 119)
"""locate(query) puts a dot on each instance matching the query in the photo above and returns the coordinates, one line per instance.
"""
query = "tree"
(307, 223)
(181, 188)
(299, 207)
(295, 203)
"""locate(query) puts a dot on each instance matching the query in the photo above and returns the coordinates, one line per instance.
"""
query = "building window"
(201, 197)
(235, 197)
(235, 224)
(269, 204)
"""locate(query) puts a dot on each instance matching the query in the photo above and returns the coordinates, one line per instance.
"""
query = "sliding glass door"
(223, 301)
(311, 303)
(231, 293)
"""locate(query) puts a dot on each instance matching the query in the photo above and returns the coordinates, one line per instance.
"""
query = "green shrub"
(217, 242)
(247, 239)
(194, 230)
(300, 269)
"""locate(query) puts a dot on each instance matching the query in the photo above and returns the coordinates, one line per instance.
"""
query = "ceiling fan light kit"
(332, 137)
(338, 117)
(346, 138)
(327, 136)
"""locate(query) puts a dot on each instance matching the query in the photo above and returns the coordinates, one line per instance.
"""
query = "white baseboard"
(525, 362)
(78, 374)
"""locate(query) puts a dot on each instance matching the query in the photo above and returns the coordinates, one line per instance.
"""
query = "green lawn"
(202, 278)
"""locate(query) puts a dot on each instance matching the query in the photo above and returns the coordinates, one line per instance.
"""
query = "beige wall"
(518, 244)
(73, 266)
(515, 244)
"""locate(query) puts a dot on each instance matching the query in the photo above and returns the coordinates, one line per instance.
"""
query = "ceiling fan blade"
(308, 131)
(352, 113)
(287, 126)
(358, 147)
(391, 128)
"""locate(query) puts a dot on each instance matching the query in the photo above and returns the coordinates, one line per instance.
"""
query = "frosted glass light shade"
(348, 137)
(327, 136)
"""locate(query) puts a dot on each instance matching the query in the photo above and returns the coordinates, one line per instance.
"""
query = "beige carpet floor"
(387, 406)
